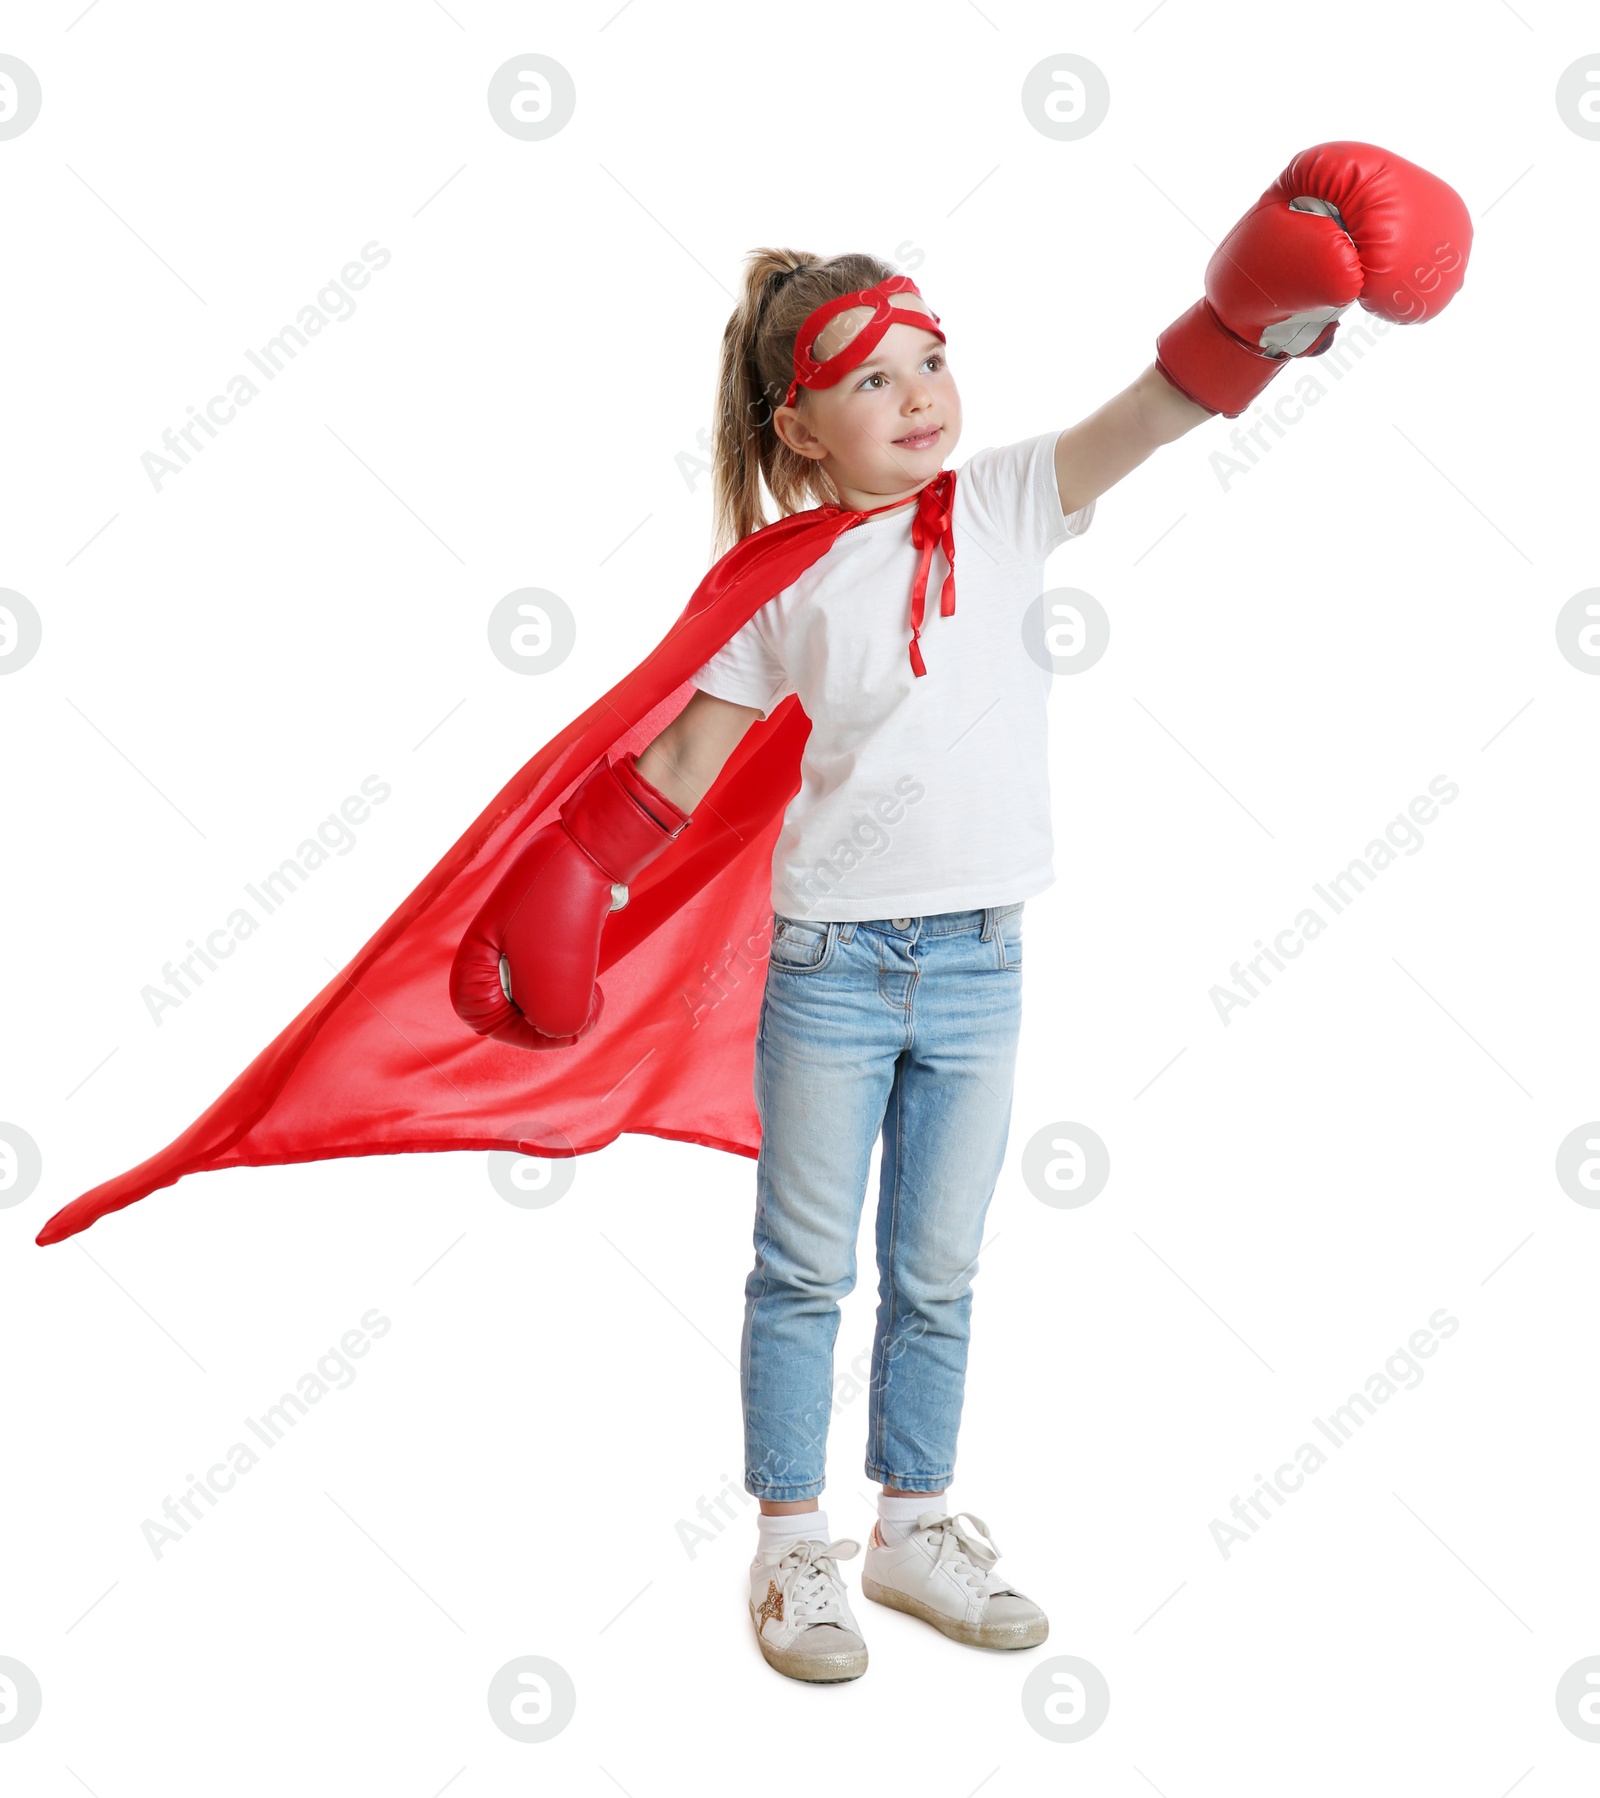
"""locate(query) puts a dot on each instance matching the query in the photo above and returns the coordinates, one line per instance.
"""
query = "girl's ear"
(794, 433)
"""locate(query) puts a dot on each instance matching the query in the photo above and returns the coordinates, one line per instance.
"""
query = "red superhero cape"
(379, 1063)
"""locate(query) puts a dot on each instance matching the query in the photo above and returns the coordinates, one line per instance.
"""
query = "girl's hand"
(524, 973)
(1344, 221)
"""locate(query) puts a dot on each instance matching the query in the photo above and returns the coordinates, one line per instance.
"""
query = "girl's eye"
(936, 360)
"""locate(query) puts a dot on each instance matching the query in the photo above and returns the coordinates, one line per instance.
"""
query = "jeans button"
(900, 923)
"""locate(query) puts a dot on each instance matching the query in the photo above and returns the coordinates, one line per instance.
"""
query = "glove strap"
(621, 822)
(1217, 369)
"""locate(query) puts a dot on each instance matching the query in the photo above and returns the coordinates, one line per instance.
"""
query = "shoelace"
(968, 1557)
(814, 1588)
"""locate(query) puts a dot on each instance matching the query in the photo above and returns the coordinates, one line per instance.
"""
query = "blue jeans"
(908, 1026)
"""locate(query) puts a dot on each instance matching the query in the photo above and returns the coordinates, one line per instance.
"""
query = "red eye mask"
(810, 373)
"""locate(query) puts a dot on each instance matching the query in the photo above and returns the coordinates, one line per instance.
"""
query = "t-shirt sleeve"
(1014, 496)
(747, 670)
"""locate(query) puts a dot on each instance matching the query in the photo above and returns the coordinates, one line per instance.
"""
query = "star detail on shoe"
(770, 1606)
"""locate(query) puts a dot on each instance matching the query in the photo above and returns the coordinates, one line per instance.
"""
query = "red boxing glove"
(1343, 222)
(525, 970)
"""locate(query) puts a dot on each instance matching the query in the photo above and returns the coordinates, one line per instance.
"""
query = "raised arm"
(1344, 222)
(1095, 455)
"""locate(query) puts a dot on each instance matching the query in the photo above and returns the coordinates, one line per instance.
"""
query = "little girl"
(920, 829)
(894, 986)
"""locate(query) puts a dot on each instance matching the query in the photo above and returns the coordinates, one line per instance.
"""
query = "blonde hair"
(780, 288)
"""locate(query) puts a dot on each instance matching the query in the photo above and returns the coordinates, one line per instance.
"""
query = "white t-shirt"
(918, 793)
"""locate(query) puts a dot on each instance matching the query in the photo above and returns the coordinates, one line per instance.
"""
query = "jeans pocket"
(801, 945)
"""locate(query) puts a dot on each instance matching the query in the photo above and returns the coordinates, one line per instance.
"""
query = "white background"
(1292, 659)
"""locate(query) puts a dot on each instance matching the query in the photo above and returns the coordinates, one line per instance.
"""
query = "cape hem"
(477, 1146)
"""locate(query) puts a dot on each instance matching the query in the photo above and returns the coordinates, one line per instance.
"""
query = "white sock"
(777, 1533)
(897, 1517)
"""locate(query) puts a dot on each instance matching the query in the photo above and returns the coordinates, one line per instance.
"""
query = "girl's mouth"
(920, 439)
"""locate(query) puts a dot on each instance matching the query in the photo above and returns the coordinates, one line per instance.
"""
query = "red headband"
(810, 373)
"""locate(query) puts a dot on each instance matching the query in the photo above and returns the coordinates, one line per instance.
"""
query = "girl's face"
(885, 428)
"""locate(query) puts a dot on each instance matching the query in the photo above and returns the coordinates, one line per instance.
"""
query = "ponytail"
(781, 287)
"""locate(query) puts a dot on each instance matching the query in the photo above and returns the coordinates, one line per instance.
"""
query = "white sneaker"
(943, 1573)
(802, 1613)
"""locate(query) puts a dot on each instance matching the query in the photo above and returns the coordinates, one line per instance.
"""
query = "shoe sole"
(975, 1635)
(815, 1669)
